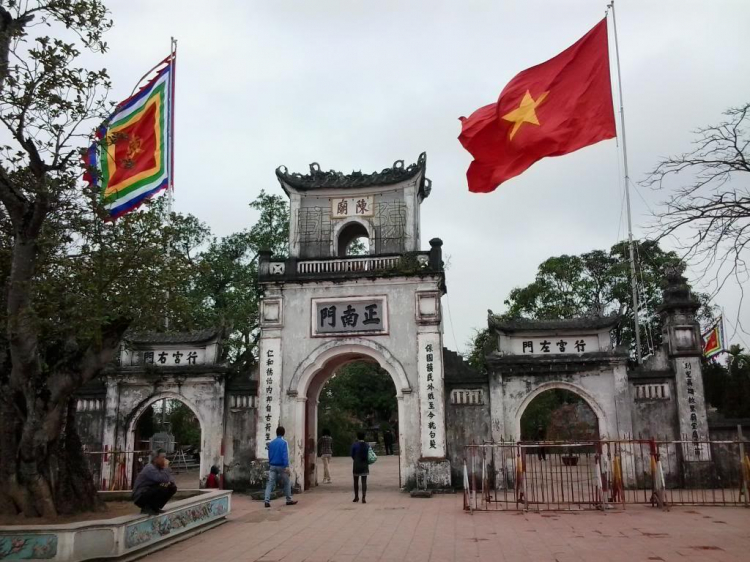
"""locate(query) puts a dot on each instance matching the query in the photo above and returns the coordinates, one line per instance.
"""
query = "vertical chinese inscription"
(690, 384)
(432, 407)
(431, 426)
(269, 393)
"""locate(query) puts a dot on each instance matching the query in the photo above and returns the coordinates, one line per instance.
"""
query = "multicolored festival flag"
(132, 160)
(713, 340)
(550, 109)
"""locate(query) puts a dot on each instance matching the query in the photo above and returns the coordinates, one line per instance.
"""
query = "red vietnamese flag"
(550, 109)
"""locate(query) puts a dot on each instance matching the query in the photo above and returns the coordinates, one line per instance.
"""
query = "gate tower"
(322, 309)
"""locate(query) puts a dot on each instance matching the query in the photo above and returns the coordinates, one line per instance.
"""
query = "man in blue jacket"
(278, 459)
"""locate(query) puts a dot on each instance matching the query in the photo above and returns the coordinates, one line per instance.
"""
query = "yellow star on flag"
(524, 113)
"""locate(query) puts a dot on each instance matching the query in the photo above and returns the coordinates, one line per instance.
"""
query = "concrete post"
(681, 333)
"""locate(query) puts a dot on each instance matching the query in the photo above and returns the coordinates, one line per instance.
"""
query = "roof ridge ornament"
(319, 179)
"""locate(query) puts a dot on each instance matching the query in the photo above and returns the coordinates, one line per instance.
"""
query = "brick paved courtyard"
(326, 525)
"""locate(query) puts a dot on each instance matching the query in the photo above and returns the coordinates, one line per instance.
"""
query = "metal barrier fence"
(555, 476)
(113, 470)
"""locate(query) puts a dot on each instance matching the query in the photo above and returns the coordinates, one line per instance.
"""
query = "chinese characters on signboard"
(172, 357)
(430, 379)
(555, 345)
(352, 207)
(693, 409)
(269, 392)
(431, 396)
(344, 316)
(267, 363)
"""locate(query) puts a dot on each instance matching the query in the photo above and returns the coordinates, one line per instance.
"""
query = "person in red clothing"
(213, 479)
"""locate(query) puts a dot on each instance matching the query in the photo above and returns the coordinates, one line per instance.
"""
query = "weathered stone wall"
(656, 416)
(90, 426)
(726, 456)
(466, 424)
(240, 472)
(90, 420)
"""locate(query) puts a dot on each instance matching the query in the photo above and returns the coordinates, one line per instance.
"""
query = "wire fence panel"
(571, 476)
(113, 470)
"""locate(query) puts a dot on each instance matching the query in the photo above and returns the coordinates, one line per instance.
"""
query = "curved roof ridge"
(580, 323)
(319, 179)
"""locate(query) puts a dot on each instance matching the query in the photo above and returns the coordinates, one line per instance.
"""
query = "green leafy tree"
(599, 283)
(537, 419)
(360, 395)
(727, 386)
(183, 425)
(226, 292)
(45, 100)
(73, 284)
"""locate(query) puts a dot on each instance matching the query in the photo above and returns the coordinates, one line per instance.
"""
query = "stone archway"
(312, 374)
(590, 401)
(319, 307)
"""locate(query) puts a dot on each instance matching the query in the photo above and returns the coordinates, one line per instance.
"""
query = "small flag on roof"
(713, 340)
(132, 160)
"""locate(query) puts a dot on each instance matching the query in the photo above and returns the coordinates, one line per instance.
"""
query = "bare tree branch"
(708, 210)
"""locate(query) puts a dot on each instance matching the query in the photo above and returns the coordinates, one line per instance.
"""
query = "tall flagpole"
(170, 140)
(173, 51)
(170, 187)
(633, 276)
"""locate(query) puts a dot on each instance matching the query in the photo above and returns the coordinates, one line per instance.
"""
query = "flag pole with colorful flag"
(133, 158)
(713, 339)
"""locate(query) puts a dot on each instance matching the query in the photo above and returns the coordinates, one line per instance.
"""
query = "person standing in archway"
(325, 446)
(360, 465)
(278, 461)
(388, 441)
(541, 435)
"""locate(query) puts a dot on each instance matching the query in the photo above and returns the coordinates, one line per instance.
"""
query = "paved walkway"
(327, 526)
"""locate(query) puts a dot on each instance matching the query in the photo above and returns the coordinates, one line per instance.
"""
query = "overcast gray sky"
(356, 85)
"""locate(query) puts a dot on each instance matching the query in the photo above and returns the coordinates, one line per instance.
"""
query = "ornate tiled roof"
(199, 336)
(525, 325)
(318, 179)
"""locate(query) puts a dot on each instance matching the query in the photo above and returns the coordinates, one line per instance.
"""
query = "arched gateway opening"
(359, 396)
(167, 422)
(559, 426)
(559, 414)
(334, 394)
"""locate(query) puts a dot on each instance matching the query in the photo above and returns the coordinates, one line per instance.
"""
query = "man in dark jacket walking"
(155, 485)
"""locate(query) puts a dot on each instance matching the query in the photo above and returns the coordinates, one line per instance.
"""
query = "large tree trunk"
(74, 488)
(43, 470)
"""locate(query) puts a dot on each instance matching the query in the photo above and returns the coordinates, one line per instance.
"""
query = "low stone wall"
(117, 538)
